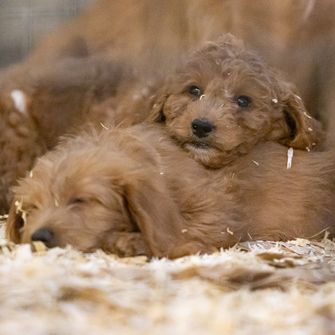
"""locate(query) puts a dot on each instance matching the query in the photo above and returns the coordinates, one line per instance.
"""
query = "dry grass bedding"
(253, 288)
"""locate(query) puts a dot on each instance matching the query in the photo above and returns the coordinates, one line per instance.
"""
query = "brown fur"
(224, 71)
(294, 36)
(58, 101)
(97, 188)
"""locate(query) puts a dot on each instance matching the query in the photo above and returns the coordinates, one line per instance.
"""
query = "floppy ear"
(14, 223)
(156, 214)
(157, 110)
(303, 131)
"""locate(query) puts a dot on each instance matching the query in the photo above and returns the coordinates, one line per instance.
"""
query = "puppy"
(95, 190)
(133, 191)
(44, 104)
(225, 100)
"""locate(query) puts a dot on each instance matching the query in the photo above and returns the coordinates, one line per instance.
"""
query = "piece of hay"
(290, 153)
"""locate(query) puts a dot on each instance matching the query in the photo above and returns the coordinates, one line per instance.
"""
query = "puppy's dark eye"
(195, 90)
(243, 101)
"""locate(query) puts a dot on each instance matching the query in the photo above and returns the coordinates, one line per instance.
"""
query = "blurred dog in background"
(48, 102)
(294, 36)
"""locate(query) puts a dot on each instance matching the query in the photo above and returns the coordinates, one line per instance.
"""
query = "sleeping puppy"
(46, 103)
(98, 191)
(225, 100)
(133, 191)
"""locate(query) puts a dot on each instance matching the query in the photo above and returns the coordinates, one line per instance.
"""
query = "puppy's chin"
(206, 155)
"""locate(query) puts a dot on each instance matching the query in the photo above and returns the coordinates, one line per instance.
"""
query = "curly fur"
(223, 71)
(133, 191)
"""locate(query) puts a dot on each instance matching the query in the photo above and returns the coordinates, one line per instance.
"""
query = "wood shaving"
(18, 209)
(39, 246)
(307, 115)
(229, 231)
(235, 291)
(20, 100)
(103, 126)
(290, 153)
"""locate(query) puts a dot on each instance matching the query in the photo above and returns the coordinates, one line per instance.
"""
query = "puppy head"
(88, 193)
(225, 100)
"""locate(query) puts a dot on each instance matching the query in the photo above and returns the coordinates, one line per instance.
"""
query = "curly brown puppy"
(41, 105)
(133, 191)
(225, 100)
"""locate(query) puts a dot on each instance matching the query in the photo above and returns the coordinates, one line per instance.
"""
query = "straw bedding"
(253, 288)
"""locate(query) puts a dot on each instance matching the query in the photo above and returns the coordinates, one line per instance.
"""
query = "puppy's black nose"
(44, 235)
(201, 127)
